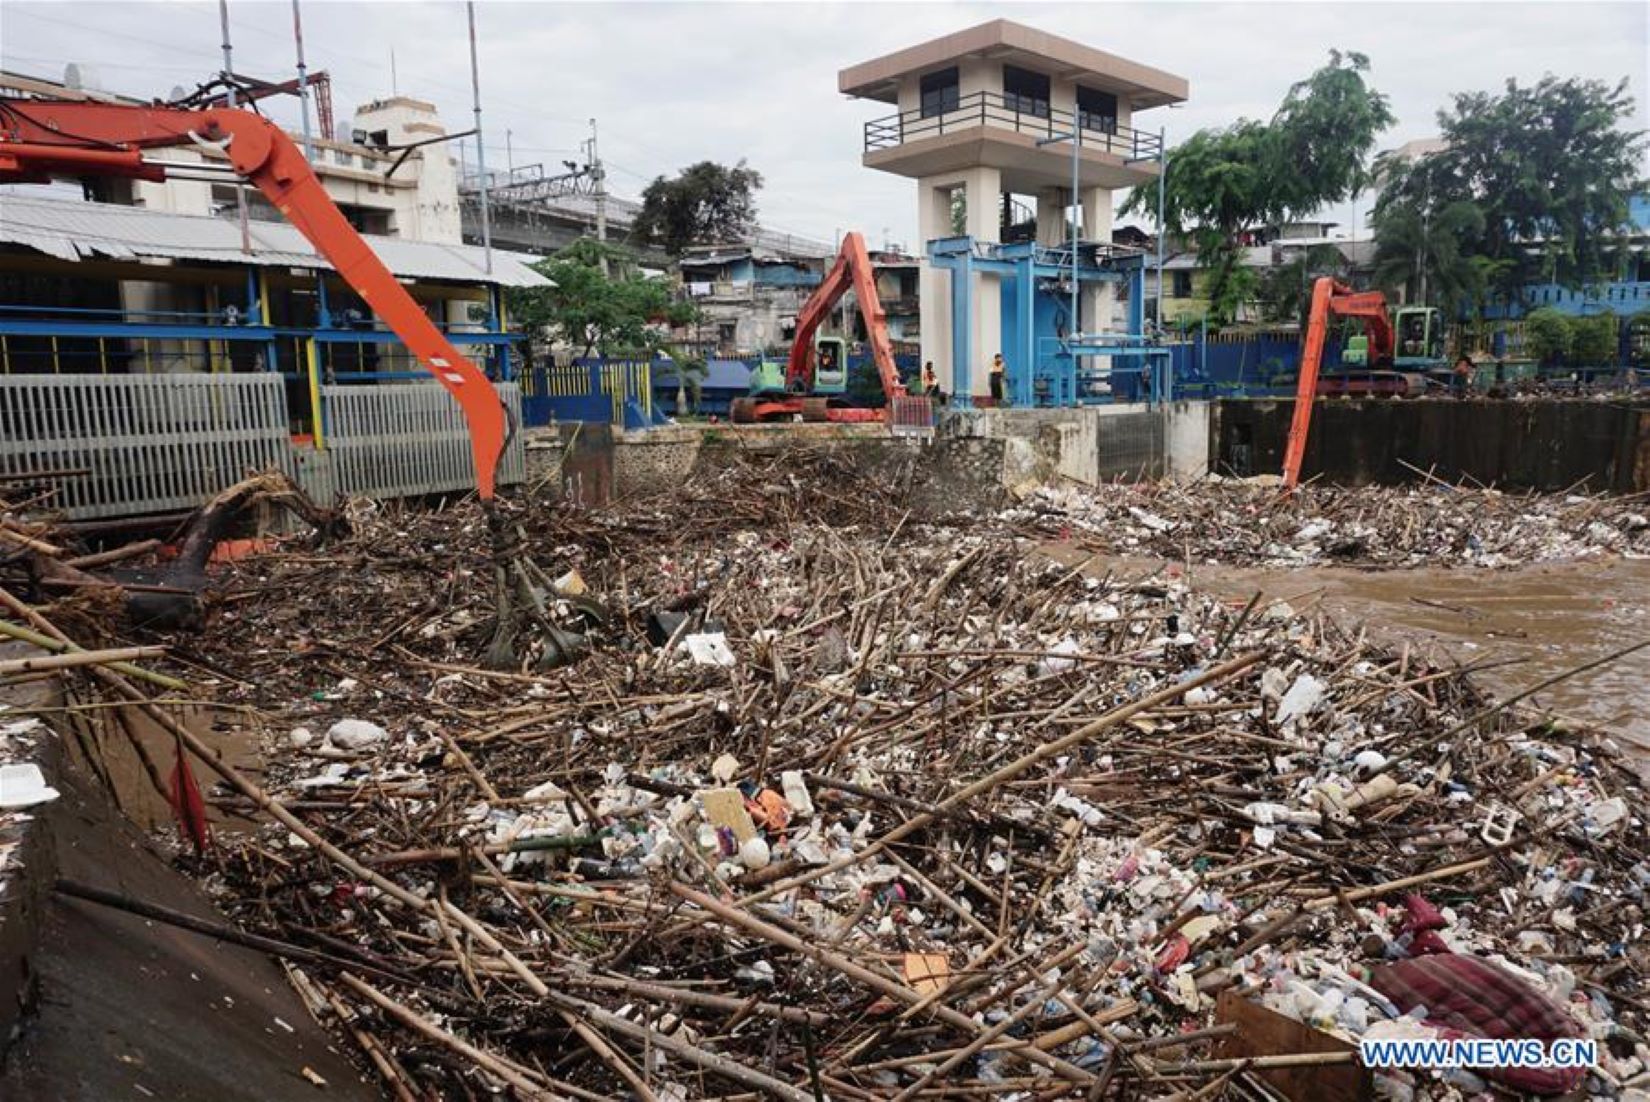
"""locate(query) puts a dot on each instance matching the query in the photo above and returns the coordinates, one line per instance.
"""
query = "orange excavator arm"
(1330, 296)
(852, 269)
(40, 139)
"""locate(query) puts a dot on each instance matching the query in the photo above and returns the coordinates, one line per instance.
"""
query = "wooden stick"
(608, 1056)
(710, 1061)
(74, 659)
(1284, 1060)
(60, 646)
(421, 1025)
(268, 804)
(874, 980)
(1374, 890)
(118, 554)
(1013, 769)
(686, 996)
(388, 1069)
(23, 540)
(985, 1038)
(218, 930)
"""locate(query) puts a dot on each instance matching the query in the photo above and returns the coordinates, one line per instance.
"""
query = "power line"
(13, 58)
(82, 28)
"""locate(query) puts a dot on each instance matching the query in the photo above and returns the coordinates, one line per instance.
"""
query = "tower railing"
(1033, 118)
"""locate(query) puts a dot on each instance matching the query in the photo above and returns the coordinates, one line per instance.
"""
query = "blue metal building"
(1047, 364)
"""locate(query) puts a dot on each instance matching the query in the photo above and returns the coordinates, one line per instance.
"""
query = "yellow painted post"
(57, 368)
(5, 353)
(148, 364)
(315, 397)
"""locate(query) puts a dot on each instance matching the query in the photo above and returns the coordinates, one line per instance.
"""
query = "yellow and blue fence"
(614, 392)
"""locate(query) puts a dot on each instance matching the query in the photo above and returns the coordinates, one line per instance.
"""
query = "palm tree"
(1427, 251)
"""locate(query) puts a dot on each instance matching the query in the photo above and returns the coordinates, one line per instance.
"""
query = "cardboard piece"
(725, 807)
(1263, 1032)
(927, 973)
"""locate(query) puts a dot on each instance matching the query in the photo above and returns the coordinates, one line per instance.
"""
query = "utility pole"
(509, 154)
(229, 79)
(1426, 243)
(303, 80)
(1076, 226)
(1162, 231)
(481, 145)
(598, 176)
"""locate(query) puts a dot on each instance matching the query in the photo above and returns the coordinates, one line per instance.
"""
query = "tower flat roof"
(1144, 86)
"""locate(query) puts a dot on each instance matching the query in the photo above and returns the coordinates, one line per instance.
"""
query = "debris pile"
(1240, 523)
(832, 802)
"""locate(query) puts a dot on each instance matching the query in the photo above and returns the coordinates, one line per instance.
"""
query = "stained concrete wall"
(1547, 444)
(976, 457)
(1093, 444)
(98, 1003)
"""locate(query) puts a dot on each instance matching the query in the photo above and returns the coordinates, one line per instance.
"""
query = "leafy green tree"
(1424, 242)
(595, 312)
(1549, 167)
(1595, 340)
(1285, 290)
(706, 203)
(1549, 335)
(1225, 184)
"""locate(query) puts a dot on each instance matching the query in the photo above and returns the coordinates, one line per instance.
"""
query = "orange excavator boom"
(42, 138)
(852, 269)
(1329, 296)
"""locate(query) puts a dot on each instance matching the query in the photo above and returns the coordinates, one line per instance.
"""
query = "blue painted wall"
(725, 380)
(784, 275)
(1049, 314)
(1623, 298)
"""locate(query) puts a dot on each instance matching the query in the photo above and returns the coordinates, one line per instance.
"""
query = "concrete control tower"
(980, 115)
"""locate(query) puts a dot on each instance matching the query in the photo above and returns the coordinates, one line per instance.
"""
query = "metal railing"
(156, 443)
(1015, 113)
(147, 443)
(407, 439)
(615, 381)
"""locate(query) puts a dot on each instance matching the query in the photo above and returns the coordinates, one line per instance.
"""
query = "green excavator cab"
(830, 365)
(830, 370)
(1419, 333)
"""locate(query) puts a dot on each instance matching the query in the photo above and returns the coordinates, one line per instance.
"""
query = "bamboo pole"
(76, 659)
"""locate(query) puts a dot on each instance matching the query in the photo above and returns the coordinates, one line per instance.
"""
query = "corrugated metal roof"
(622, 214)
(76, 230)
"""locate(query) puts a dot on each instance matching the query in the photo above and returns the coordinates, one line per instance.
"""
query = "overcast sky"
(675, 83)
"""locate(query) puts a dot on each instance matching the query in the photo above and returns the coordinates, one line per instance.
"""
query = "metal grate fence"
(147, 443)
(402, 439)
(125, 445)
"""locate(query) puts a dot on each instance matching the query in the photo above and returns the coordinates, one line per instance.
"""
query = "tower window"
(1025, 91)
(941, 92)
(1096, 110)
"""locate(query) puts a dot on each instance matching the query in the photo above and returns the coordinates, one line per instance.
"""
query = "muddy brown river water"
(1552, 617)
